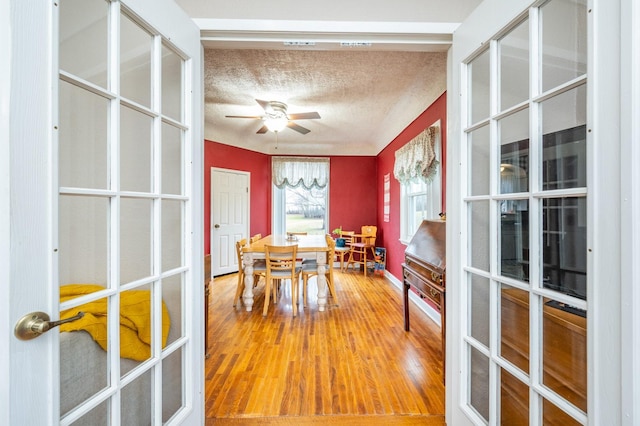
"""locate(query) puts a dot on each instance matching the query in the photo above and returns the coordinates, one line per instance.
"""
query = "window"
(300, 188)
(420, 182)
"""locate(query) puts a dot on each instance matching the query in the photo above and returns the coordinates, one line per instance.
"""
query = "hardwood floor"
(351, 364)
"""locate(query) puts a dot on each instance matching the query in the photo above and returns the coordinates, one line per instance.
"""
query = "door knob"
(34, 324)
(216, 226)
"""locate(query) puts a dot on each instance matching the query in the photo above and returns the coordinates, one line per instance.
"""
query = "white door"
(533, 316)
(229, 217)
(104, 182)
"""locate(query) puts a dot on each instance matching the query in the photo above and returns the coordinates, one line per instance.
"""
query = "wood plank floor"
(351, 364)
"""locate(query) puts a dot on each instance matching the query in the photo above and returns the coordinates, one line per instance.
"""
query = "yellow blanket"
(135, 319)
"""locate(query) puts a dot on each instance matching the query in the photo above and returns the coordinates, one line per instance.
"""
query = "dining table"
(309, 247)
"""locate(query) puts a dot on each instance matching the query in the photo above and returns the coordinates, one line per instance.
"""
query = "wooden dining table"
(309, 247)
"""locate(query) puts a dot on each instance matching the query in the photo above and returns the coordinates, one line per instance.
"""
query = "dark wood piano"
(424, 269)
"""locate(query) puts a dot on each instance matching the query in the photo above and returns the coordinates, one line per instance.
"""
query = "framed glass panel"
(173, 297)
(479, 88)
(564, 245)
(563, 26)
(553, 416)
(135, 62)
(172, 159)
(514, 66)
(83, 44)
(172, 81)
(479, 235)
(172, 234)
(479, 161)
(135, 329)
(514, 400)
(135, 239)
(479, 382)
(514, 155)
(514, 326)
(172, 372)
(513, 239)
(135, 150)
(135, 401)
(83, 136)
(479, 307)
(83, 234)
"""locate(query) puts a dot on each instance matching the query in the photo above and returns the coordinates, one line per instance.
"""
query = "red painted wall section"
(352, 193)
(233, 158)
(390, 231)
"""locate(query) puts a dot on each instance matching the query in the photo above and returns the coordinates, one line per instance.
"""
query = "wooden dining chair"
(341, 252)
(361, 245)
(281, 265)
(310, 269)
(259, 270)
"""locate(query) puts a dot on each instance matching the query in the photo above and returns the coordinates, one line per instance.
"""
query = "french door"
(106, 136)
(532, 304)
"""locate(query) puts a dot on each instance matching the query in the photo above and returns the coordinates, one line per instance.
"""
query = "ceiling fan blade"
(262, 130)
(263, 104)
(298, 128)
(244, 116)
(304, 116)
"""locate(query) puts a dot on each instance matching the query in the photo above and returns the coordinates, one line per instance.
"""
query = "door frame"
(28, 121)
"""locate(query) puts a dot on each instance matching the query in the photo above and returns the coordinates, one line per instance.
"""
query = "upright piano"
(424, 269)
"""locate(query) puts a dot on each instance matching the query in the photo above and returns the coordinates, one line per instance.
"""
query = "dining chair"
(310, 269)
(347, 236)
(259, 270)
(361, 245)
(281, 265)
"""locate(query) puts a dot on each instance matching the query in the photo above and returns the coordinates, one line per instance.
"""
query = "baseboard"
(421, 304)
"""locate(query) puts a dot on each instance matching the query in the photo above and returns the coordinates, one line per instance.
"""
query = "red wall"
(356, 189)
(259, 165)
(390, 231)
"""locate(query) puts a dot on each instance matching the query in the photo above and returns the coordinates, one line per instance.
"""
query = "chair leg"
(294, 294)
(240, 288)
(267, 297)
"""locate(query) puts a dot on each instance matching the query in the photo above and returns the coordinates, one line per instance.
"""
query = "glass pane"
(81, 377)
(171, 84)
(135, 401)
(564, 361)
(135, 150)
(172, 291)
(514, 239)
(514, 154)
(479, 88)
(172, 398)
(564, 161)
(514, 326)
(564, 245)
(564, 41)
(479, 161)
(306, 210)
(96, 417)
(135, 62)
(479, 308)
(479, 382)
(171, 234)
(171, 160)
(514, 400)
(479, 235)
(83, 234)
(553, 416)
(135, 239)
(514, 66)
(135, 327)
(83, 137)
(83, 39)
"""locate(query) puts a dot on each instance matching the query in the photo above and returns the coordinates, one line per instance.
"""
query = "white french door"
(106, 169)
(534, 310)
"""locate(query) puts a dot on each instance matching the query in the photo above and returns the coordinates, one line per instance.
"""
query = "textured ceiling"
(365, 98)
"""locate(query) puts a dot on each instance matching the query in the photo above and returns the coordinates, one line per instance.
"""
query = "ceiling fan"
(275, 117)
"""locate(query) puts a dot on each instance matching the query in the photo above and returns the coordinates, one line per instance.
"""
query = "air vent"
(355, 44)
(300, 43)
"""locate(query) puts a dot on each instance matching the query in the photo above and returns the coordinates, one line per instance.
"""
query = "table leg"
(322, 281)
(247, 295)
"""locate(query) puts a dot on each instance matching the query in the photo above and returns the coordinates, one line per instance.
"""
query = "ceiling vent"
(355, 44)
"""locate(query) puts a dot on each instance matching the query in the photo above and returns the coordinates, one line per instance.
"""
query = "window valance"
(416, 161)
(310, 172)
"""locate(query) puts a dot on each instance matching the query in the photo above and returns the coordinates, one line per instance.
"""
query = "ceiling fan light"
(276, 124)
